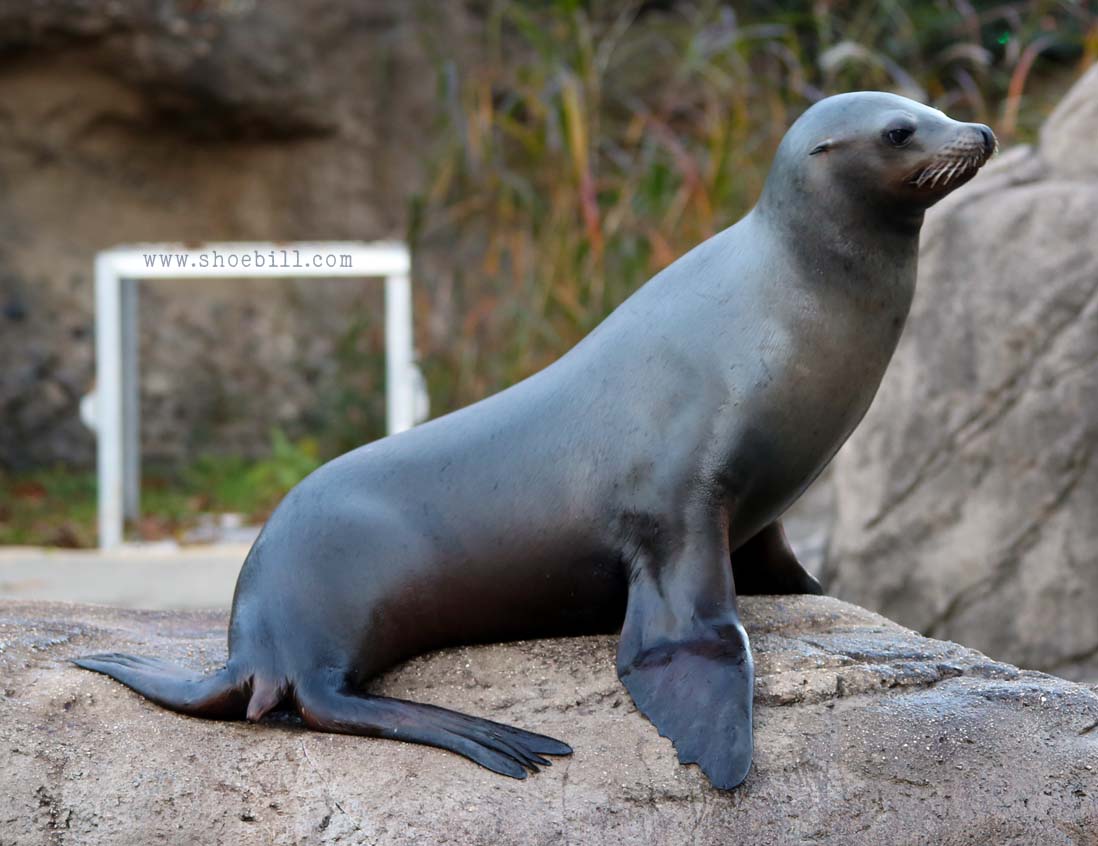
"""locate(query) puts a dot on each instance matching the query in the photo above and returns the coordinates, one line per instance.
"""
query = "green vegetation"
(57, 506)
(590, 143)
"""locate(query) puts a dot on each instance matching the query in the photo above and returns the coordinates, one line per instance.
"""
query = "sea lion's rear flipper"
(503, 749)
(685, 659)
(216, 696)
(767, 564)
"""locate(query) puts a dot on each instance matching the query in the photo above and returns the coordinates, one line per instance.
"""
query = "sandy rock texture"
(967, 498)
(867, 733)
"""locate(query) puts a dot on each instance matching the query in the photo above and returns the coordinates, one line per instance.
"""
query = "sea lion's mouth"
(952, 169)
(948, 172)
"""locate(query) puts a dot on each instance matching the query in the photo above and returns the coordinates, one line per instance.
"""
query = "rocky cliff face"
(231, 120)
(866, 733)
(967, 500)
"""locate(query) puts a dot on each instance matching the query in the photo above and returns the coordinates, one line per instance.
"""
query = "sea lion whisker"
(928, 174)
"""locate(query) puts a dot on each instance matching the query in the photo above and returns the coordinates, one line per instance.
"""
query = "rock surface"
(967, 499)
(866, 734)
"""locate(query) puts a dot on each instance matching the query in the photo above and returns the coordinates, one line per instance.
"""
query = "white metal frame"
(117, 274)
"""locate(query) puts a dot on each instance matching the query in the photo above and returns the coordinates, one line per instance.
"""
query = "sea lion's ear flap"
(822, 147)
(694, 683)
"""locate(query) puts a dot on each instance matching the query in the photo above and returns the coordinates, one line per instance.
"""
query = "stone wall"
(226, 119)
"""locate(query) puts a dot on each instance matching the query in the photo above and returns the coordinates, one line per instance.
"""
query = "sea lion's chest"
(798, 386)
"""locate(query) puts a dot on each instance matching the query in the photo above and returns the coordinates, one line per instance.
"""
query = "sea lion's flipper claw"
(767, 564)
(538, 743)
(500, 748)
(220, 695)
(531, 741)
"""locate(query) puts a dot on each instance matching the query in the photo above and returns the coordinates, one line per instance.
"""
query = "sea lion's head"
(879, 152)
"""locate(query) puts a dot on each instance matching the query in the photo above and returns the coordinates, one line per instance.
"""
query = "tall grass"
(592, 143)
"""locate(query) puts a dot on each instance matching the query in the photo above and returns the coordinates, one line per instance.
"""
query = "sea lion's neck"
(839, 219)
(846, 235)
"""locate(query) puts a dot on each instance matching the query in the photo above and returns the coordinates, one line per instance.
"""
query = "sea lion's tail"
(232, 693)
(222, 695)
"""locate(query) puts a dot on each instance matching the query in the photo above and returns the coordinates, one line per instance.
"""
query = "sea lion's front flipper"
(767, 564)
(685, 659)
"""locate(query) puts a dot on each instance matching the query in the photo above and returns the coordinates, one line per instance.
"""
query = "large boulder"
(967, 499)
(866, 733)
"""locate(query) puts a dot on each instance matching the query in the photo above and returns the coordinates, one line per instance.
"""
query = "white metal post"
(400, 378)
(131, 409)
(108, 400)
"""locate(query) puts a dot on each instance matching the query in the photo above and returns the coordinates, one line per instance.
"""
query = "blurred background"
(542, 159)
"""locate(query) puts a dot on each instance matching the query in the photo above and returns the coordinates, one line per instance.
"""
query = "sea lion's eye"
(899, 136)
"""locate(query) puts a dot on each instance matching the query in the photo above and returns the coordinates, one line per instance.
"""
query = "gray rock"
(1067, 136)
(866, 734)
(967, 499)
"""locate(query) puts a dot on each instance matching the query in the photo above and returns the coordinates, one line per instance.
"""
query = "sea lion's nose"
(989, 138)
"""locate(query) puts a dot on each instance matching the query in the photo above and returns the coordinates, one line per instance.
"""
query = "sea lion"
(640, 478)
